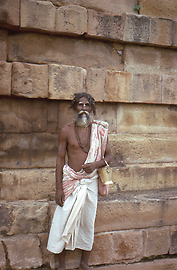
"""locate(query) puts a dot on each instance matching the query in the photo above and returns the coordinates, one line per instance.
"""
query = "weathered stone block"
(52, 118)
(169, 95)
(113, 6)
(173, 240)
(2, 257)
(23, 116)
(65, 81)
(161, 32)
(30, 80)
(107, 112)
(28, 184)
(103, 252)
(147, 88)
(146, 118)
(156, 241)
(38, 48)
(105, 25)
(136, 211)
(23, 251)
(145, 177)
(137, 28)
(95, 83)
(9, 12)
(38, 14)
(43, 238)
(139, 149)
(174, 43)
(127, 245)
(150, 60)
(71, 19)
(159, 8)
(23, 217)
(118, 86)
(3, 45)
(5, 78)
(28, 150)
(162, 264)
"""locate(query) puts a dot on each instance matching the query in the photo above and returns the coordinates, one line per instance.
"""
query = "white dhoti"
(73, 224)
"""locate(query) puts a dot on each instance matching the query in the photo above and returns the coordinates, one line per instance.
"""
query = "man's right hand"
(60, 197)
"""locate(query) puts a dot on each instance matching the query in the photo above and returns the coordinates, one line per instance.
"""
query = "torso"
(76, 156)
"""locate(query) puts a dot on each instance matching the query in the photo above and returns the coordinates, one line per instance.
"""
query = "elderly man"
(86, 144)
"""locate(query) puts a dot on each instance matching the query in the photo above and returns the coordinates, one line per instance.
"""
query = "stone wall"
(126, 57)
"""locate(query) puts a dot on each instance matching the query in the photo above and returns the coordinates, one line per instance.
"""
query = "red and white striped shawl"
(99, 133)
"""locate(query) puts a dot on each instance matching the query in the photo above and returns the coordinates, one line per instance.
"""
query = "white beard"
(83, 119)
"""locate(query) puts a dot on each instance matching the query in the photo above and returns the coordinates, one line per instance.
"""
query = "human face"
(83, 105)
(83, 113)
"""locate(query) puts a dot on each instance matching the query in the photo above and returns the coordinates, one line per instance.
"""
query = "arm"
(59, 196)
(90, 167)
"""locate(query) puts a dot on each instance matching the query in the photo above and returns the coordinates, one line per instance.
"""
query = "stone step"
(37, 184)
(126, 211)
(164, 264)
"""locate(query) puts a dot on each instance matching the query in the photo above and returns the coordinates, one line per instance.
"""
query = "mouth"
(83, 112)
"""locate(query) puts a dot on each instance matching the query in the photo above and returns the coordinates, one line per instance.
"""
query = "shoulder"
(101, 124)
(66, 130)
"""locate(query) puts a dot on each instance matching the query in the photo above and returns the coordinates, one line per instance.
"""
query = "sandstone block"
(105, 25)
(23, 251)
(156, 241)
(95, 83)
(23, 217)
(28, 184)
(23, 116)
(169, 89)
(30, 80)
(35, 150)
(159, 8)
(118, 86)
(65, 114)
(38, 48)
(9, 12)
(65, 81)
(161, 31)
(139, 149)
(71, 19)
(5, 78)
(113, 6)
(137, 28)
(136, 211)
(145, 177)
(173, 240)
(37, 14)
(3, 45)
(52, 118)
(107, 112)
(43, 238)
(128, 245)
(162, 264)
(147, 88)
(2, 257)
(150, 60)
(146, 118)
(103, 252)
(174, 43)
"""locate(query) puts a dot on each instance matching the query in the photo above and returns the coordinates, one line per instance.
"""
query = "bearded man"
(86, 144)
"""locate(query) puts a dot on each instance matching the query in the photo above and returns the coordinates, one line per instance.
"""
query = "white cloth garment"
(73, 224)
